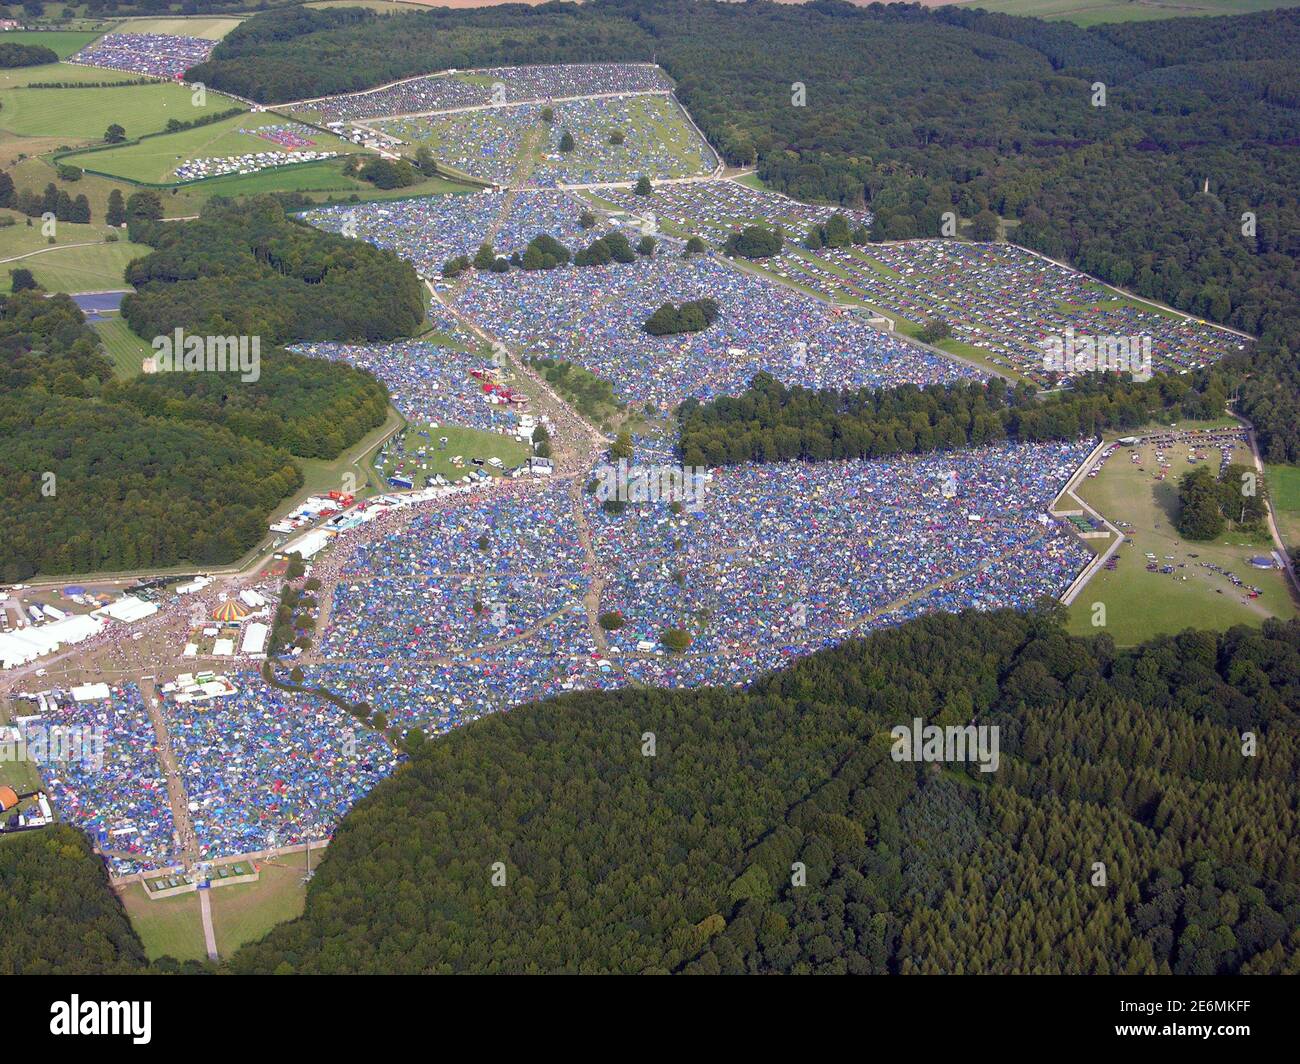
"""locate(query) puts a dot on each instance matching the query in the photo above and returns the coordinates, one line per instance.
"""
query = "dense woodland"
(57, 913)
(1119, 190)
(164, 469)
(249, 269)
(302, 52)
(21, 55)
(770, 422)
(682, 862)
(310, 407)
(1237, 499)
(94, 483)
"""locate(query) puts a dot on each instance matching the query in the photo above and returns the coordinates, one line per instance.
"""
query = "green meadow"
(84, 114)
(154, 160)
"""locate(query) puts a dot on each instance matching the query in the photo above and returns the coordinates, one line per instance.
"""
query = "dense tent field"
(653, 487)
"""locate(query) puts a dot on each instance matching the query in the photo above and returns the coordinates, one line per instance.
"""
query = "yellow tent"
(229, 612)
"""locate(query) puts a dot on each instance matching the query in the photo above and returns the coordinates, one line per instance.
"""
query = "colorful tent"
(230, 611)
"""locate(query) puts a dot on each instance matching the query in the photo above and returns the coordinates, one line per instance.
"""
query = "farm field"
(35, 173)
(84, 114)
(1141, 604)
(210, 29)
(155, 159)
(93, 268)
(63, 42)
(59, 72)
(1094, 12)
(22, 239)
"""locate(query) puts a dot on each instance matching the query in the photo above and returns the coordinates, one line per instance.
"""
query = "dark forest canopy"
(159, 470)
(311, 407)
(21, 55)
(169, 468)
(1118, 190)
(246, 268)
(58, 915)
(770, 422)
(682, 862)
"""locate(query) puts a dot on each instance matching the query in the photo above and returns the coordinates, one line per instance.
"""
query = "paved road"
(1278, 542)
(54, 247)
(209, 935)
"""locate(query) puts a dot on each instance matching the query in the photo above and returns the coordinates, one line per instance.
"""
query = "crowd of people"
(427, 383)
(499, 85)
(120, 802)
(1005, 300)
(264, 768)
(594, 318)
(614, 138)
(161, 54)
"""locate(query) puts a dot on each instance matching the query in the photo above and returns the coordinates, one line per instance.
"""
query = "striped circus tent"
(231, 611)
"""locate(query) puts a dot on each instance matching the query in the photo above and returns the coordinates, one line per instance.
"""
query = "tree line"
(156, 470)
(247, 268)
(1124, 816)
(1181, 186)
(770, 422)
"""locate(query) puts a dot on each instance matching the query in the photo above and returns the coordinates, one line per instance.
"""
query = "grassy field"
(166, 926)
(59, 72)
(84, 114)
(386, 7)
(22, 776)
(64, 42)
(1094, 12)
(92, 268)
(125, 349)
(241, 913)
(324, 181)
(210, 29)
(154, 160)
(468, 443)
(245, 912)
(322, 475)
(36, 173)
(21, 238)
(1284, 490)
(1140, 604)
